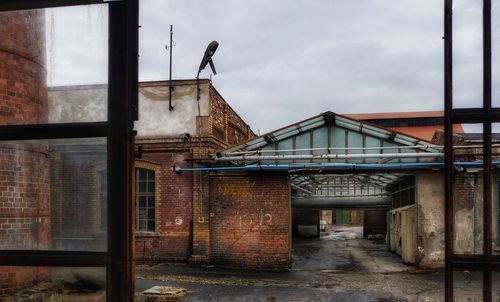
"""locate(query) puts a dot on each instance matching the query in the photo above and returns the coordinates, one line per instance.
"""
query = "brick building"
(165, 139)
(332, 161)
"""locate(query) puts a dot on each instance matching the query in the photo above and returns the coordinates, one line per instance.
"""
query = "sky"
(282, 61)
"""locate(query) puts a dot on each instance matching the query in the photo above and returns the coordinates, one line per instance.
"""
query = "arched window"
(145, 200)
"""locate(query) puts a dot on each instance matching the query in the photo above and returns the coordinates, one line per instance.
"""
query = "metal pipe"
(327, 156)
(344, 196)
(333, 167)
(343, 202)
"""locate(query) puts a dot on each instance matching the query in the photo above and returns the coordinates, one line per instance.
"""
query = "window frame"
(147, 195)
(486, 262)
(156, 168)
(118, 129)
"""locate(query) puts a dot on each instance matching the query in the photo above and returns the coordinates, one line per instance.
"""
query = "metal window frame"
(486, 262)
(122, 111)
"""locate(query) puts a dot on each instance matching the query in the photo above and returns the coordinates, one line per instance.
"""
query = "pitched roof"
(330, 118)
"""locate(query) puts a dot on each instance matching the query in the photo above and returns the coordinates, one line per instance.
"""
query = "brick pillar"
(201, 225)
(24, 166)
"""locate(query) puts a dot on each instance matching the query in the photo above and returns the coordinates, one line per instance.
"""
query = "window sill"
(146, 234)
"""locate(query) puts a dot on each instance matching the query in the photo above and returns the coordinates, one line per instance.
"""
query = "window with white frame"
(145, 200)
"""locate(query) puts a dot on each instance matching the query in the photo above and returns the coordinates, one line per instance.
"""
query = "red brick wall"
(249, 221)
(172, 238)
(75, 204)
(217, 113)
(12, 278)
(224, 119)
(23, 93)
(24, 178)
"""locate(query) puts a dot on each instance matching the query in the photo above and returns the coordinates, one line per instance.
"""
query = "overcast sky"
(281, 61)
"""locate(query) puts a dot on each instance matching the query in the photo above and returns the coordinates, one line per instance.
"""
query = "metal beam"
(341, 202)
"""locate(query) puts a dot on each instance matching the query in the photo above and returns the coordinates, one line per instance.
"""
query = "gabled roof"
(331, 119)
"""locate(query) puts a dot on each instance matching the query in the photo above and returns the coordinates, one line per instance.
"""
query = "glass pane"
(142, 212)
(54, 68)
(151, 213)
(142, 187)
(468, 191)
(49, 198)
(467, 54)
(151, 225)
(495, 52)
(52, 284)
(142, 175)
(467, 286)
(143, 202)
(495, 285)
(495, 187)
(151, 186)
(142, 225)
(151, 202)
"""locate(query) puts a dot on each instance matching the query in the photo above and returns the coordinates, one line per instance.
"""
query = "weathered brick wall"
(467, 200)
(468, 210)
(172, 238)
(23, 91)
(24, 188)
(13, 278)
(75, 204)
(225, 124)
(201, 226)
(250, 221)
(24, 199)
(217, 113)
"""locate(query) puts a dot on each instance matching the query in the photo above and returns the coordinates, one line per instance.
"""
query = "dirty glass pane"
(52, 284)
(467, 286)
(495, 53)
(495, 188)
(54, 68)
(495, 285)
(50, 197)
(467, 54)
(468, 191)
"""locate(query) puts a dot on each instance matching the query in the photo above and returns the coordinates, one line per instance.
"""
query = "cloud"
(281, 61)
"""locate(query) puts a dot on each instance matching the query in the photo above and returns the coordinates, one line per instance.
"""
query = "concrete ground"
(340, 266)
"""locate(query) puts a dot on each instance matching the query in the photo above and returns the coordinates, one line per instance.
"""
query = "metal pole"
(487, 200)
(448, 146)
(170, 86)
